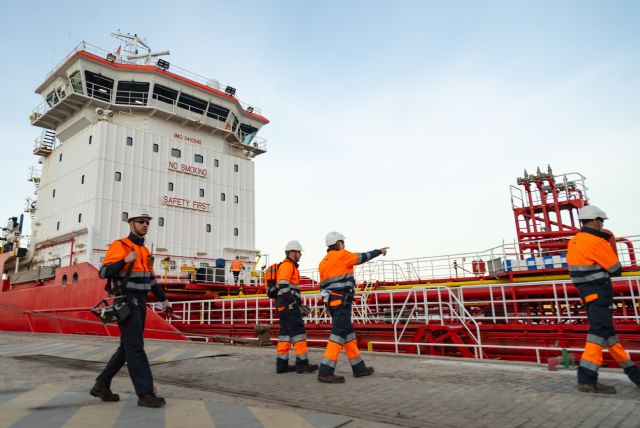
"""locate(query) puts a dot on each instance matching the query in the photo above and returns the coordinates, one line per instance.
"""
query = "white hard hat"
(140, 214)
(333, 237)
(591, 212)
(293, 246)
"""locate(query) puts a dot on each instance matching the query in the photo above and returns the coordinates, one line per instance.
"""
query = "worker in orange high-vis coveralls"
(288, 304)
(236, 267)
(337, 285)
(128, 261)
(592, 262)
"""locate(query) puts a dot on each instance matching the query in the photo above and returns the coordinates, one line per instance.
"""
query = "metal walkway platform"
(47, 378)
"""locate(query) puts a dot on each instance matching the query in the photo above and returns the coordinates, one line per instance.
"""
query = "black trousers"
(131, 349)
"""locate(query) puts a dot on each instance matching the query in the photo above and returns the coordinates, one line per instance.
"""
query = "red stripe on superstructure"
(153, 69)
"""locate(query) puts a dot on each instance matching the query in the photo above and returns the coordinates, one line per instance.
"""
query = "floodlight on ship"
(230, 90)
(111, 57)
(250, 109)
(163, 64)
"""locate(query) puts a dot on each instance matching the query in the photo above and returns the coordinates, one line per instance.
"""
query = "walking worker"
(337, 285)
(236, 267)
(288, 304)
(592, 262)
(128, 260)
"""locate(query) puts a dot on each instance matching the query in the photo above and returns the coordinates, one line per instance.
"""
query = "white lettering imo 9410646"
(188, 169)
(186, 203)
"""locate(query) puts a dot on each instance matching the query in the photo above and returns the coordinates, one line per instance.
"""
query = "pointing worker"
(592, 262)
(337, 285)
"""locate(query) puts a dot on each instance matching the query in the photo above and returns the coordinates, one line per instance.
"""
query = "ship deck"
(46, 378)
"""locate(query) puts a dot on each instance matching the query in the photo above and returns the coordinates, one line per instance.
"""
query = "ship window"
(204, 264)
(74, 278)
(176, 153)
(60, 158)
(236, 199)
(76, 82)
(201, 193)
(235, 167)
(155, 148)
(132, 93)
(247, 133)
(54, 193)
(63, 281)
(218, 112)
(52, 98)
(216, 163)
(222, 196)
(164, 94)
(129, 141)
(235, 231)
(58, 226)
(82, 179)
(160, 221)
(193, 104)
(118, 176)
(234, 126)
(208, 228)
(170, 186)
(90, 138)
(125, 216)
(172, 264)
(98, 86)
(198, 158)
(80, 218)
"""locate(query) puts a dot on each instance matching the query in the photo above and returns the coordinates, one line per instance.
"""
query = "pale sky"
(400, 124)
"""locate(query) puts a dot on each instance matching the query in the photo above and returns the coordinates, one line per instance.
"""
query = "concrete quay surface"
(45, 382)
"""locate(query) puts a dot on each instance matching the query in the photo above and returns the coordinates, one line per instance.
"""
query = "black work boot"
(102, 390)
(151, 400)
(368, 371)
(306, 368)
(330, 378)
(634, 374)
(285, 369)
(596, 388)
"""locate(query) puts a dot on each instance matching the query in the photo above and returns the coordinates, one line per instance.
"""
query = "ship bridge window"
(76, 82)
(235, 122)
(198, 158)
(176, 153)
(193, 104)
(52, 98)
(132, 93)
(247, 132)
(218, 112)
(164, 94)
(98, 86)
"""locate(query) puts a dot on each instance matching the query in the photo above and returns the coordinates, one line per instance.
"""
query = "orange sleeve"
(603, 254)
(350, 259)
(115, 253)
(285, 273)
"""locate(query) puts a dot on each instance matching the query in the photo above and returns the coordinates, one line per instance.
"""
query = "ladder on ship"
(45, 144)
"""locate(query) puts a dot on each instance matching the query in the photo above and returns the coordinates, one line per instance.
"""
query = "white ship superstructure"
(124, 131)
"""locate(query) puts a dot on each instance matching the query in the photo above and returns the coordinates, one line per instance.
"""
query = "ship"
(125, 129)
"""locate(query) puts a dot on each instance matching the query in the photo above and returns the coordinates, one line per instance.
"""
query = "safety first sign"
(175, 201)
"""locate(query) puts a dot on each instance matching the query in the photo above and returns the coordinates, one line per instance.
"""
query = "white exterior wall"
(144, 181)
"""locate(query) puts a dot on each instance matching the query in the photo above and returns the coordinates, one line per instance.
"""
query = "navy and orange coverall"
(141, 281)
(592, 262)
(290, 316)
(336, 276)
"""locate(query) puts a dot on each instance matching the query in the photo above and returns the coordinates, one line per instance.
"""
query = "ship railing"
(558, 303)
(485, 264)
(212, 83)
